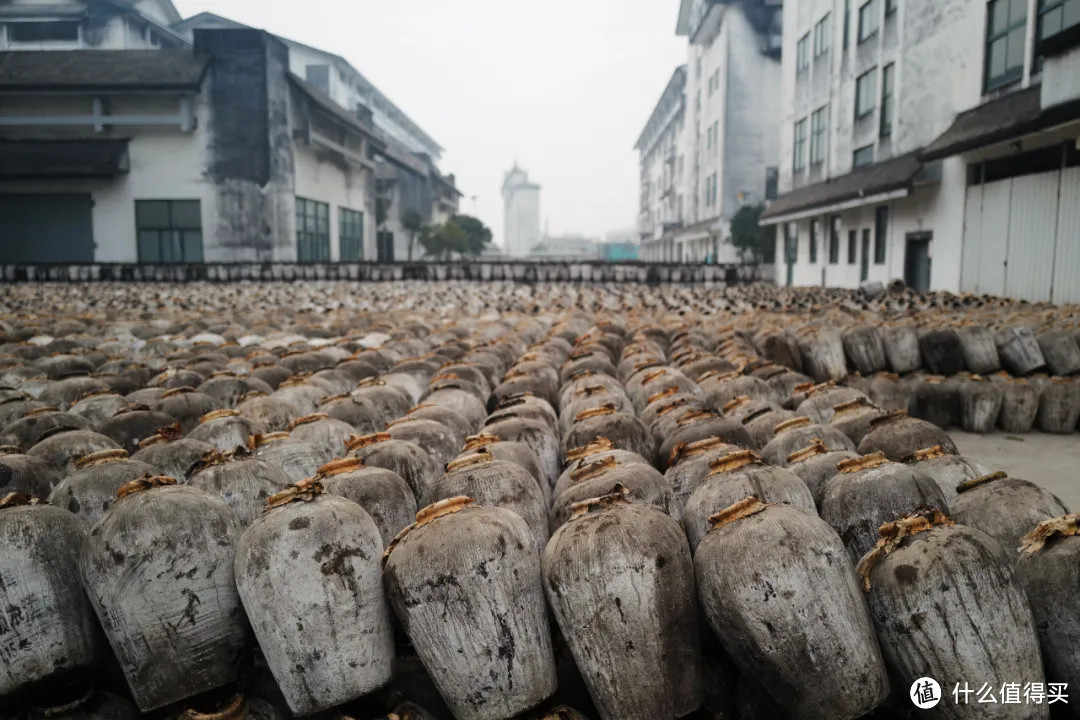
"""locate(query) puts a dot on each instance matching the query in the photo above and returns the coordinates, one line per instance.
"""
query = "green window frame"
(891, 7)
(852, 247)
(1055, 16)
(887, 82)
(862, 156)
(802, 53)
(821, 36)
(312, 231)
(350, 234)
(1006, 38)
(819, 126)
(169, 231)
(869, 20)
(813, 241)
(865, 93)
(799, 159)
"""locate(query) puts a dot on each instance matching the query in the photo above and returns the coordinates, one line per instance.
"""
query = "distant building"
(566, 247)
(709, 146)
(521, 213)
(934, 141)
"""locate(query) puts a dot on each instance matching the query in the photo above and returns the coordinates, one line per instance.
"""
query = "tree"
(412, 222)
(751, 240)
(477, 234)
(444, 239)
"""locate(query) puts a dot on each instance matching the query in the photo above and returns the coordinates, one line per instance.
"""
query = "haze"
(564, 90)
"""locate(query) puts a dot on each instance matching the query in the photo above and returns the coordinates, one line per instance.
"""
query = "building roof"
(30, 70)
(209, 19)
(323, 102)
(63, 158)
(881, 177)
(673, 93)
(1007, 117)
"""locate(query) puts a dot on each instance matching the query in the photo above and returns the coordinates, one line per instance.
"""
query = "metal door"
(917, 261)
(1032, 235)
(864, 261)
(46, 228)
(993, 240)
(1067, 250)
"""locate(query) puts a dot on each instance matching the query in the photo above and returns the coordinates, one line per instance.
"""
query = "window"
(868, 20)
(714, 189)
(852, 247)
(847, 22)
(887, 98)
(821, 37)
(697, 66)
(312, 231)
(44, 31)
(799, 161)
(351, 234)
(881, 229)
(1006, 30)
(865, 93)
(813, 241)
(862, 156)
(802, 53)
(819, 122)
(716, 134)
(772, 182)
(890, 7)
(834, 240)
(169, 231)
(1055, 16)
(791, 242)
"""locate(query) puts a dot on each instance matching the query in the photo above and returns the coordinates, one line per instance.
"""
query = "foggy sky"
(564, 87)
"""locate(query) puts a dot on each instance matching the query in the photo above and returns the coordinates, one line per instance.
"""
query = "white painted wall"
(319, 178)
(165, 164)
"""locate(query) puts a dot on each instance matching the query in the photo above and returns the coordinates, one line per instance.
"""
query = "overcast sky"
(564, 87)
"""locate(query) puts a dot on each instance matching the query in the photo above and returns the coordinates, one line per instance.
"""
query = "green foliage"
(752, 241)
(477, 233)
(444, 240)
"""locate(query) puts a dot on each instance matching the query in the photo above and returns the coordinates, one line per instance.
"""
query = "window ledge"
(868, 38)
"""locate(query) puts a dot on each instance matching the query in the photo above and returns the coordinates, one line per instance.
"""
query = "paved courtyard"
(1052, 461)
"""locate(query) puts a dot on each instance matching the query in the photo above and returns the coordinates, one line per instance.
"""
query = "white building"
(521, 213)
(406, 163)
(931, 140)
(710, 149)
(74, 25)
(566, 247)
(213, 147)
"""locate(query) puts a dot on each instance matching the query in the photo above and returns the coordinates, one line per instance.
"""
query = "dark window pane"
(1017, 11)
(193, 247)
(47, 31)
(999, 16)
(186, 215)
(1072, 13)
(852, 247)
(149, 251)
(1015, 55)
(997, 58)
(152, 213)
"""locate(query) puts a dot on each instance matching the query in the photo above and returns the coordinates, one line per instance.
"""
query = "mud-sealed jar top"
(146, 482)
(101, 457)
(746, 507)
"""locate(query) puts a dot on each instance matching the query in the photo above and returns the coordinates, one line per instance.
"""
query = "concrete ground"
(1052, 461)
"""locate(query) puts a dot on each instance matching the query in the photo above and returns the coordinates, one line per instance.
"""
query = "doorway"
(917, 260)
(864, 261)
